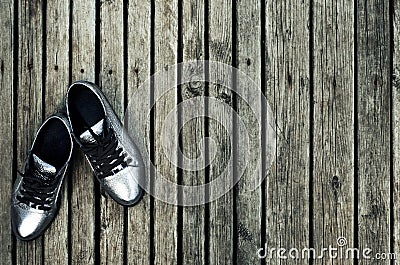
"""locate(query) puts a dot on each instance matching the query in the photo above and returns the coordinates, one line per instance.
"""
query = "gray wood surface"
(138, 40)
(193, 221)
(56, 83)
(248, 227)
(220, 227)
(6, 126)
(83, 192)
(373, 103)
(288, 89)
(396, 124)
(333, 172)
(29, 102)
(165, 55)
(325, 68)
(112, 82)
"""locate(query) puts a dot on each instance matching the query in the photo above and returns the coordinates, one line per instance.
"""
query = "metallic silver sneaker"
(112, 154)
(36, 195)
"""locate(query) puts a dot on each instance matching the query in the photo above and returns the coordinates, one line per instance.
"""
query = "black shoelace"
(35, 191)
(104, 153)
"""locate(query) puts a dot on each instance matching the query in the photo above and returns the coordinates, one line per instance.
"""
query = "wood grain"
(165, 55)
(333, 173)
(139, 35)
(82, 197)
(248, 203)
(373, 103)
(112, 84)
(192, 133)
(396, 124)
(56, 83)
(6, 126)
(288, 86)
(344, 114)
(29, 103)
(220, 225)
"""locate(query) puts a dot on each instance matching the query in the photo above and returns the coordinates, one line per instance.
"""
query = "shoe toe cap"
(123, 187)
(28, 224)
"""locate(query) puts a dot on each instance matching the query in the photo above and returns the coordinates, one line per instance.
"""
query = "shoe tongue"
(42, 169)
(87, 137)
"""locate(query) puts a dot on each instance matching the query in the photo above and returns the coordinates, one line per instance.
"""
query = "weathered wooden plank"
(112, 83)
(29, 107)
(396, 124)
(165, 55)
(138, 42)
(333, 125)
(221, 210)
(248, 204)
(82, 197)
(193, 234)
(373, 69)
(6, 126)
(288, 86)
(57, 78)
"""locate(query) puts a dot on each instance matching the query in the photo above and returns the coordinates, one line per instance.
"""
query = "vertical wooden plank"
(248, 204)
(112, 83)
(82, 197)
(288, 85)
(57, 78)
(221, 210)
(138, 42)
(193, 235)
(165, 55)
(333, 124)
(29, 107)
(6, 126)
(373, 42)
(396, 123)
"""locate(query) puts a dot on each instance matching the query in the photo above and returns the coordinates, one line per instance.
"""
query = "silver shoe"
(112, 154)
(36, 195)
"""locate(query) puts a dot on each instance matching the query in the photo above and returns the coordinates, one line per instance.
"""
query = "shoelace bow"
(104, 153)
(36, 192)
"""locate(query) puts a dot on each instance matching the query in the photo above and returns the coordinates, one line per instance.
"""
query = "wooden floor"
(329, 70)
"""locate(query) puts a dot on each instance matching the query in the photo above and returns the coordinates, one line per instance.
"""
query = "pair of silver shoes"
(113, 157)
